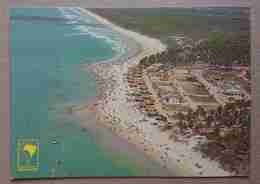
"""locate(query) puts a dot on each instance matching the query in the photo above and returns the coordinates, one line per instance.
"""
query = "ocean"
(48, 47)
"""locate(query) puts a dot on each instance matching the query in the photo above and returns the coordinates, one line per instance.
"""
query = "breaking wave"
(77, 15)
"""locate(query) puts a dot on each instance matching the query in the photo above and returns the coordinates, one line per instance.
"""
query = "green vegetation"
(218, 49)
(215, 35)
(195, 23)
(227, 131)
(225, 49)
(216, 40)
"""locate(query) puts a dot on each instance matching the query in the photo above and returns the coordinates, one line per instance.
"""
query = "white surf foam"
(77, 14)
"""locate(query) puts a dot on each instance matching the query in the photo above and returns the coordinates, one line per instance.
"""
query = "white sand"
(128, 122)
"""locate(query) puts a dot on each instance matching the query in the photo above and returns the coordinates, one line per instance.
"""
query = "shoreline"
(115, 112)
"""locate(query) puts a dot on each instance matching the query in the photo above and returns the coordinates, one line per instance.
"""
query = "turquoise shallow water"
(46, 76)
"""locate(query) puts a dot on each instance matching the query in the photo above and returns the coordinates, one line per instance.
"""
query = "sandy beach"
(121, 116)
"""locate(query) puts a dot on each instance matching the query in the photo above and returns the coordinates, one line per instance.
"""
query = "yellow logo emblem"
(27, 154)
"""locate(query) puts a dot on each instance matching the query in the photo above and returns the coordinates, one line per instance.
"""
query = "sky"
(130, 3)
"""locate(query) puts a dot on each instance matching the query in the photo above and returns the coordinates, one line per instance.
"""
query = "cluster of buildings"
(162, 92)
(178, 90)
(183, 41)
(228, 83)
(162, 82)
(141, 95)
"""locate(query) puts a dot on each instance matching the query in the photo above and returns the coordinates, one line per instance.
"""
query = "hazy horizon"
(133, 3)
